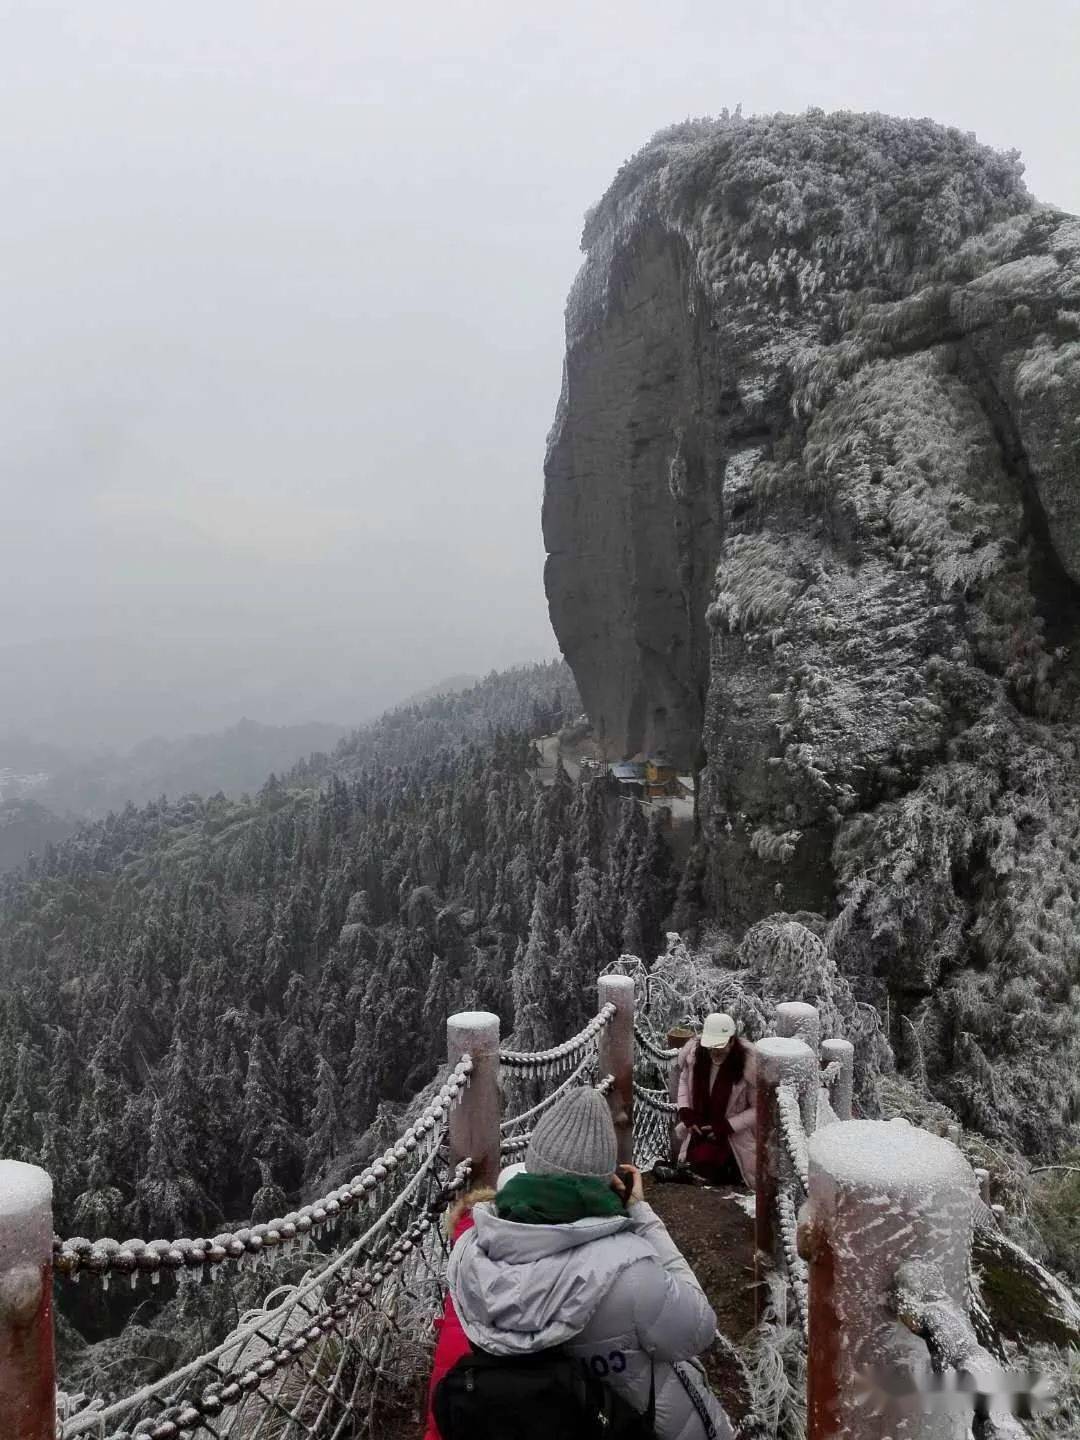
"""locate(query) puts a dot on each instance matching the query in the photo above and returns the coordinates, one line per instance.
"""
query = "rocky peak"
(811, 511)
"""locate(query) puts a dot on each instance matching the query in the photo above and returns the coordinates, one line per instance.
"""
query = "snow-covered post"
(796, 1017)
(27, 1364)
(843, 1053)
(881, 1195)
(474, 1121)
(616, 1058)
(982, 1179)
(780, 1059)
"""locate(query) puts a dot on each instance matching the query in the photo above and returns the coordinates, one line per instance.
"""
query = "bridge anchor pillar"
(27, 1363)
(474, 1121)
(616, 1058)
(840, 1092)
(799, 1019)
(881, 1194)
(780, 1059)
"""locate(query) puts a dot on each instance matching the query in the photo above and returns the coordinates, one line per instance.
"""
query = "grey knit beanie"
(575, 1137)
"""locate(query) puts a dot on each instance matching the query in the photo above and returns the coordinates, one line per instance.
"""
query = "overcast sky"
(281, 293)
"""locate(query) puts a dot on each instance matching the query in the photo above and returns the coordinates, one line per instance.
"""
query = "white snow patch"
(23, 1189)
(798, 1009)
(891, 1157)
(473, 1020)
(783, 1047)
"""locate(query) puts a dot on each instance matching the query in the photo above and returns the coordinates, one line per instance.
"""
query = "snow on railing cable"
(658, 1100)
(513, 1122)
(551, 1061)
(652, 1047)
(230, 1375)
(653, 1116)
(794, 1264)
(793, 1134)
(136, 1257)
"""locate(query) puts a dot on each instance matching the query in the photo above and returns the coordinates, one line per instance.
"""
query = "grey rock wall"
(811, 507)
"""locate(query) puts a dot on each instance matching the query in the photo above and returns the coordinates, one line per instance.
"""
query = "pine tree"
(533, 977)
(328, 1122)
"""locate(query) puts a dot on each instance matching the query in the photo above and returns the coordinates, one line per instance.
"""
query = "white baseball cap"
(718, 1030)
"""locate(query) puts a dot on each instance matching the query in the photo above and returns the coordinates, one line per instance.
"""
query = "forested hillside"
(201, 999)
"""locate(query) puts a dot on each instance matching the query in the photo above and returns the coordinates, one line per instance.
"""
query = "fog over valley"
(282, 307)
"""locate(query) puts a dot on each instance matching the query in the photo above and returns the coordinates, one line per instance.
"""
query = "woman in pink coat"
(715, 1132)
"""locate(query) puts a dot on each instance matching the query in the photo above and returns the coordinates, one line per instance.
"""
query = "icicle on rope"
(831, 1073)
(550, 1062)
(652, 1047)
(513, 1122)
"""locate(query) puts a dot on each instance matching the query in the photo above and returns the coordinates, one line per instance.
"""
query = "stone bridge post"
(797, 1018)
(881, 1194)
(616, 1058)
(780, 1059)
(842, 1051)
(474, 1120)
(27, 1364)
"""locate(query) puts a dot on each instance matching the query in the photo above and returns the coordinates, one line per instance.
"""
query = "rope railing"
(658, 1100)
(135, 1257)
(323, 1359)
(794, 1264)
(654, 1115)
(661, 1054)
(541, 1063)
(276, 1360)
(514, 1122)
(793, 1134)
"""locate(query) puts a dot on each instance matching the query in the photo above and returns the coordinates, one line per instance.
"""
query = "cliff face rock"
(812, 506)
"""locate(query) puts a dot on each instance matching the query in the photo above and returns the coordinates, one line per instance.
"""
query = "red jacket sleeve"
(451, 1345)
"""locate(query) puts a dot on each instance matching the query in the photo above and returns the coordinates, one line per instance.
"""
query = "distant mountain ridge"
(75, 786)
(452, 685)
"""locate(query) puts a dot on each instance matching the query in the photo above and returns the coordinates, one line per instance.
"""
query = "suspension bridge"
(869, 1224)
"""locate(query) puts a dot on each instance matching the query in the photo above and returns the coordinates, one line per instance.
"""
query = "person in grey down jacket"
(563, 1256)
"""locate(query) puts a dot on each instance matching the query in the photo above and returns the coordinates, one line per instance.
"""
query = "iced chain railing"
(309, 1364)
(654, 1115)
(542, 1064)
(660, 1055)
(792, 1189)
(586, 1068)
(293, 1369)
(252, 1243)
